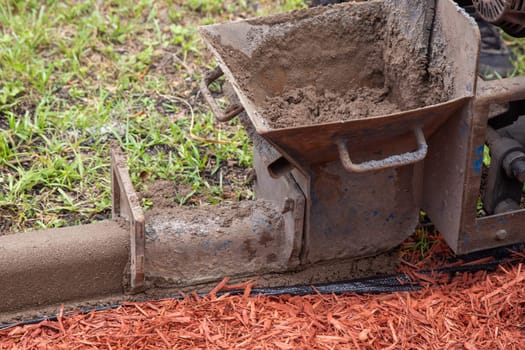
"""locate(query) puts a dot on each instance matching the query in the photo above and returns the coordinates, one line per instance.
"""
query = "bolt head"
(501, 235)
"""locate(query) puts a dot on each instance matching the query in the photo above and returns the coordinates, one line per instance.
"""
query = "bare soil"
(236, 180)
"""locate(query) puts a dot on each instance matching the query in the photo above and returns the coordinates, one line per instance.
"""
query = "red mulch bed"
(474, 311)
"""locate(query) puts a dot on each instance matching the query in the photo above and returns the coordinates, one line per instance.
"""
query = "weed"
(422, 241)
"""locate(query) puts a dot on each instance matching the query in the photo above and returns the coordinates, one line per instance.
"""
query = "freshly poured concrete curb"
(54, 266)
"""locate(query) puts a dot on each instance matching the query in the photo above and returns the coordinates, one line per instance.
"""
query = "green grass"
(517, 45)
(422, 241)
(76, 76)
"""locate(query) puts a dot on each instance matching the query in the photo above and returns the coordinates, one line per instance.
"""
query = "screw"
(501, 235)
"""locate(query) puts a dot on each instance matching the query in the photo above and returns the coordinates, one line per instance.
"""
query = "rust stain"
(266, 238)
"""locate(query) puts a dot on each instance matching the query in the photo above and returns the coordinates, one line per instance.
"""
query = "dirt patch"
(340, 63)
(236, 183)
(164, 193)
(5, 221)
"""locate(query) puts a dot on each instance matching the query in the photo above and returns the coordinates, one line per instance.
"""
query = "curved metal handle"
(231, 111)
(389, 162)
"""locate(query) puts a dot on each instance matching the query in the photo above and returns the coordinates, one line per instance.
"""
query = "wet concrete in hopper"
(345, 62)
(307, 106)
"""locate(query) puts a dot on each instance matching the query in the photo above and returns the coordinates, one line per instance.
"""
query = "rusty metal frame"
(453, 173)
(501, 229)
(349, 213)
(125, 204)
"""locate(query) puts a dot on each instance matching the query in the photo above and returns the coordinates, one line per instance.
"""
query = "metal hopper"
(331, 48)
(385, 75)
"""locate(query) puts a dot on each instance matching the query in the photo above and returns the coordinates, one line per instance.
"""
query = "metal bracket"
(125, 204)
(232, 111)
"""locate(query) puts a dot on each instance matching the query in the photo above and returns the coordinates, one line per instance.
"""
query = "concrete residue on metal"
(196, 245)
(465, 14)
(396, 159)
(243, 35)
(340, 63)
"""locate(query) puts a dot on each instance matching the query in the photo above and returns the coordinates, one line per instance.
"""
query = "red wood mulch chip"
(474, 311)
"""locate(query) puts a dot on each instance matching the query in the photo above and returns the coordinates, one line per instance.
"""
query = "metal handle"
(389, 162)
(231, 111)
